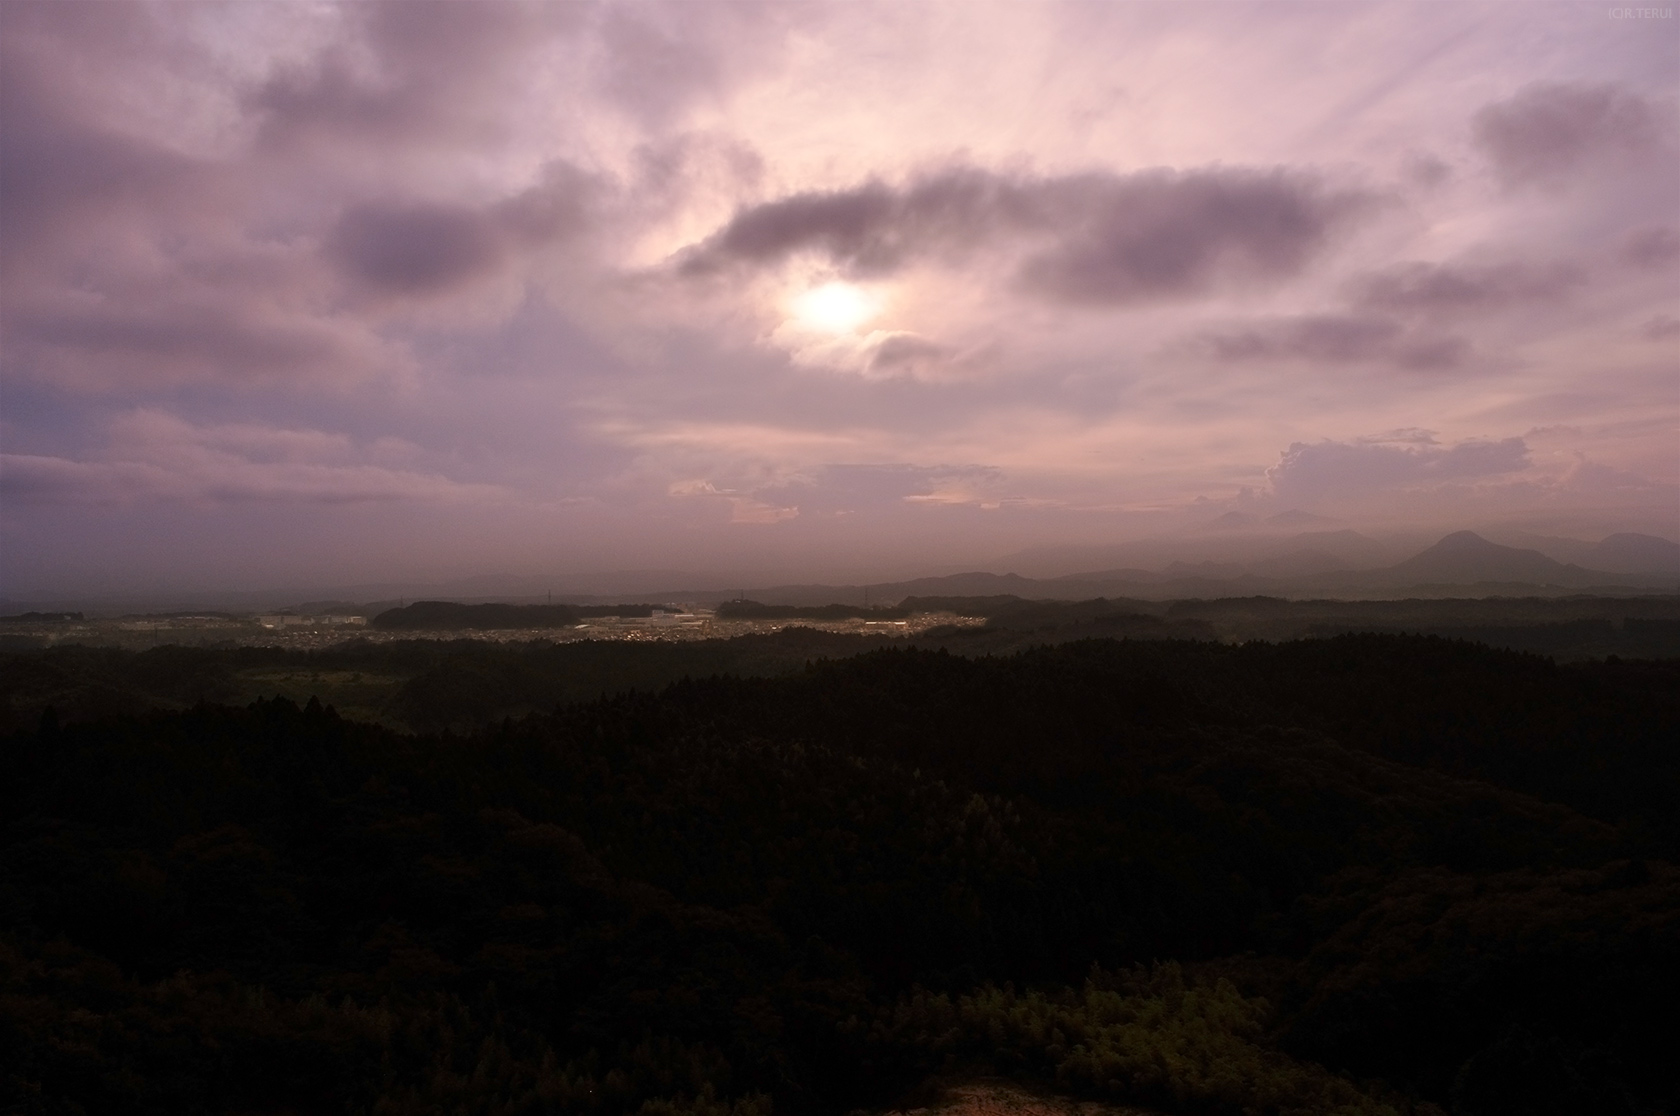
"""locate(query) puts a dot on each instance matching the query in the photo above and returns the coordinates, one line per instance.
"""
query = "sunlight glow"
(834, 307)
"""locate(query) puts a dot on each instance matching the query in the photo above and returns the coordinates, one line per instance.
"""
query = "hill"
(1637, 554)
(1370, 875)
(1465, 558)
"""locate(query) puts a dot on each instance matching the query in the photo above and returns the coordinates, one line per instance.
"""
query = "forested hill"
(1367, 874)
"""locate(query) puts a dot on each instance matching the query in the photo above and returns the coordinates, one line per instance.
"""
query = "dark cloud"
(414, 249)
(1326, 338)
(902, 351)
(852, 227)
(1091, 239)
(558, 205)
(417, 248)
(1307, 472)
(1163, 234)
(1434, 354)
(1549, 131)
(1651, 248)
(1434, 289)
(1335, 339)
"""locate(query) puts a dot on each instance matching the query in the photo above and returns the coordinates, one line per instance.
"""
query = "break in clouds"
(414, 287)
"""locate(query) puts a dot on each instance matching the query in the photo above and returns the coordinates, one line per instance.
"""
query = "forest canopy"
(1363, 874)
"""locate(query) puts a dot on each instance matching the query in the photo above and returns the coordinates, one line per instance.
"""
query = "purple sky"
(316, 293)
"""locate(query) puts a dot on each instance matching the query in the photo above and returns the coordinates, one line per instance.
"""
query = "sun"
(834, 307)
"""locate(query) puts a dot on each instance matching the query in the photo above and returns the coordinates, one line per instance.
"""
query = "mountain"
(1464, 557)
(1634, 553)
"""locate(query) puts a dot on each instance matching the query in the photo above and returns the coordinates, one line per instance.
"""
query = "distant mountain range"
(1461, 564)
(1255, 558)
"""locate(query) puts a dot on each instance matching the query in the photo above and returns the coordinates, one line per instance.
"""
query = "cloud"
(1652, 249)
(1329, 470)
(185, 336)
(1597, 478)
(414, 249)
(1548, 132)
(754, 511)
(901, 351)
(657, 59)
(156, 456)
(833, 490)
(653, 70)
(1338, 338)
(1435, 289)
(1163, 234)
(405, 73)
(1334, 339)
(1661, 328)
(876, 355)
(851, 488)
(55, 168)
(1400, 435)
(1094, 239)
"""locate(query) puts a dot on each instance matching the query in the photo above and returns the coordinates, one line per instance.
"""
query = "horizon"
(849, 293)
(1238, 561)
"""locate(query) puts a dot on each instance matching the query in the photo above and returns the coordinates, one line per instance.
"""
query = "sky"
(317, 293)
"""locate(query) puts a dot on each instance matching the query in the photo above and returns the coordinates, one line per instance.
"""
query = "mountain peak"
(1460, 541)
(1465, 557)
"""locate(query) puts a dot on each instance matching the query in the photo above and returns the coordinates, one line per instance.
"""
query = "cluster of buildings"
(291, 620)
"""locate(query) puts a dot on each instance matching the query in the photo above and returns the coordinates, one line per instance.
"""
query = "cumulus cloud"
(1091, 239)
(1548, 131)
(1329, 470)
(156, 456)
